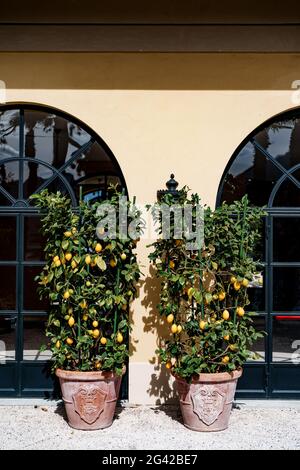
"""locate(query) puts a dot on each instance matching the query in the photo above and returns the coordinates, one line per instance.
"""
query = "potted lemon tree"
(90, 278)
(204, 299)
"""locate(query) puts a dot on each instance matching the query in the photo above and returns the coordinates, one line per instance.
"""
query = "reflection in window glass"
(34, 338)
(8, 230)
(288, 195)
(9, 133)
(9, 177)
(31, 298)
(51, 138)
(258, 347)
(286, 339)
(7, 288)
(286, 289)
(34, 175)
(250, 173)
(7, 339)
(33, 239)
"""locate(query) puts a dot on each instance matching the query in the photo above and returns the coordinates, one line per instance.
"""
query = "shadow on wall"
(161, 387)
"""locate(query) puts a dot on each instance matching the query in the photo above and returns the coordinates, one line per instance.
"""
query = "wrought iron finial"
(171, 188)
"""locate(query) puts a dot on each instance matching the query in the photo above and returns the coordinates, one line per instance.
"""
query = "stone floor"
(44, 427)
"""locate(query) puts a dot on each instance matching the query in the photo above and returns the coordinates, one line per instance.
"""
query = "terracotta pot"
(90, 398)
(206, 402)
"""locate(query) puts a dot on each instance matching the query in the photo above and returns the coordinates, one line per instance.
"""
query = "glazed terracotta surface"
(90, 397)
(206, 402)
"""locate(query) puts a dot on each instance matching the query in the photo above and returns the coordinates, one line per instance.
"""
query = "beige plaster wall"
(190, 129)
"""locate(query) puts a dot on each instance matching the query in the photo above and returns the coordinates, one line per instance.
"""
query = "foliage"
(89, 283)
(204, 293)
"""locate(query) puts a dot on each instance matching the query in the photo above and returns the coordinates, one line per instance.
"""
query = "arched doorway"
(266, 166)
(40, 147)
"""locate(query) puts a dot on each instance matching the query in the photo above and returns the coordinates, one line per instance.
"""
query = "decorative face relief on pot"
(89, 401)
(208, 403)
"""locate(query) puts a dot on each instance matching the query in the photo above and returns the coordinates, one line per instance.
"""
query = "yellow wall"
(159, 113)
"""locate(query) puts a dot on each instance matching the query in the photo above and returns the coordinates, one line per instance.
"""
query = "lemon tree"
(89, 282)
(204, 293)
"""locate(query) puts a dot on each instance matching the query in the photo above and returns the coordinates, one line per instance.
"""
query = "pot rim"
(212, 377)
(80, 375)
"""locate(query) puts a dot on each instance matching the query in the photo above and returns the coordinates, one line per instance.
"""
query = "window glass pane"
(34, 175)
(250, 173)
(288, 195)
(33, 239)
(31, 297)
(286, 236)
(9, 177)
(7, 338)
(257, 299)
(93, 162)
(258, 347)
(34, 337)
(8, 229)
(286, 289)
(286, 339)
(7, 288)
(51, 138)
(283, 142)
(9, 133)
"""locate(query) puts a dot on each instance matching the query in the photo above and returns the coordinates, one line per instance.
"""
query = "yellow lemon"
(74, 230)
(123, 256)
(56, 258)
(98, 365)
(74, 264)
(179, 329)
(172, 264)
(88, 283)
(240, 311)
(237, 285)
(66, 295)
(232, 347)
(174, 328)
(221, 295)
(98, 248)
(57, 344)
(245, 282)
(68, 256)
(202, 325)
(103, 341)
(71, 321)
(83, 304)
(225, 359)
(215, 296)
(96, 333)
(85, 318)
(233, 279)
(170, 318)
(57, 263)
(225, 315)
(119, 338)
(68, 234)
(88, 259)
(67, 317)
(113, 263)
(95, 323)
(69, 341)
(226, 337)
(169, 365)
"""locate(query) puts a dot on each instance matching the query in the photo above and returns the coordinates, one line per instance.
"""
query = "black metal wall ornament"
(171, 185)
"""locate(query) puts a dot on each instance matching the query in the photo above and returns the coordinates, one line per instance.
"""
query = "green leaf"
(101, 263)
(65, 244)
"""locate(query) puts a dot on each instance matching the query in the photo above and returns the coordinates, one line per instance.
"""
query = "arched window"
(266, 165)
(40, 148)
(43, 147)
